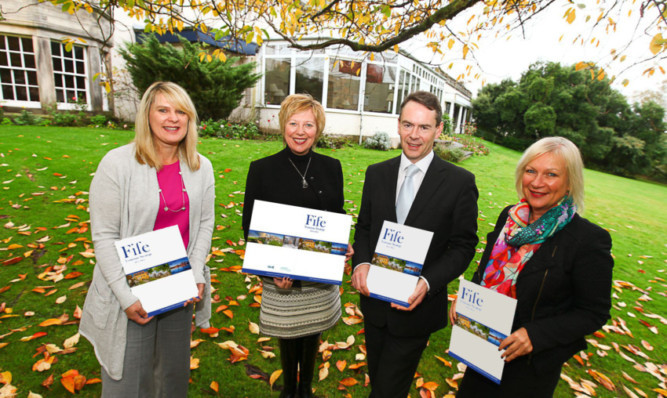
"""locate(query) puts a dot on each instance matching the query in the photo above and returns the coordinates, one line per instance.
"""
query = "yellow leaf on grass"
(6, 377)
(252, 326)
(195, 343)
(602, 379)
(340, 365)
(214, 386)
(194, 363)
(431, 386)
(274, 376)
(267, 354)
(72, 341)
(51, 322)
(349, 381)
(443, 360)
(324, 371)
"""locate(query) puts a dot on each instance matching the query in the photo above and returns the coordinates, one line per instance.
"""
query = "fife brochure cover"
(397, 262)
(157, 269)
(483, 320)
(297, 242)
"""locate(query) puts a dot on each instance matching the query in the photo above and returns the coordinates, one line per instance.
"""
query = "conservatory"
(360, 92)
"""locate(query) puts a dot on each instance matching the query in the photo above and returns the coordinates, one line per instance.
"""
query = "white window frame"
(63, 56)
(12, 69)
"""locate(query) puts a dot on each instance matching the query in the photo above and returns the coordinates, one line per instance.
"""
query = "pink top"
(173, 191)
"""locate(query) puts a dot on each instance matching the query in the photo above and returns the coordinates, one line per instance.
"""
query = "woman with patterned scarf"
(557, 265)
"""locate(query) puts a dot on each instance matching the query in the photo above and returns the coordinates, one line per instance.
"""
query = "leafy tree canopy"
(550, 99)
(216, 87)
(374, 26)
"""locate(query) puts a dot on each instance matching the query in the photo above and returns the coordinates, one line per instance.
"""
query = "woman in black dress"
(297, 312)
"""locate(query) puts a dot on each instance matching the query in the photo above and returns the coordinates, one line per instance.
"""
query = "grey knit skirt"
(297, 312)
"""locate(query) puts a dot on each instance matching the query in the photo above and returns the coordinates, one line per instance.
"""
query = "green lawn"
(46, 173)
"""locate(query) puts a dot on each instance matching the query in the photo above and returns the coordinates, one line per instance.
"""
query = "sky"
(503, 57)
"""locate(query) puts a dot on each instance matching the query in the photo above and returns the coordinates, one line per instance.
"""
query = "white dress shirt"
(417, 178)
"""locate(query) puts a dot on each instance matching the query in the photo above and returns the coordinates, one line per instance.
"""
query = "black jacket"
(446, 204)
(274, 179)
(563, 291)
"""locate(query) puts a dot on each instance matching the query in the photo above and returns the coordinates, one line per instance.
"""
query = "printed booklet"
(297, 242)
(483, 320)
(397, 262)
(157, 269)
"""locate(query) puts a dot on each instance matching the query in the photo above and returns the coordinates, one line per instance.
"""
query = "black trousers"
(392, 361)
(519, 380)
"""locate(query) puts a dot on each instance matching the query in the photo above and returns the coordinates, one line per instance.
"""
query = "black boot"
(307, 365)
(289, 358)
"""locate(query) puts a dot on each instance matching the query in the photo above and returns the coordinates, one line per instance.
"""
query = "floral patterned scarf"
(518, 240)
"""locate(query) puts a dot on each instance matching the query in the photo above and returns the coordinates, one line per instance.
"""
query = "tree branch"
(444, 13)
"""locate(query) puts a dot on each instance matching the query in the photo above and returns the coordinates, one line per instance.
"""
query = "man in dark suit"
(444, 201)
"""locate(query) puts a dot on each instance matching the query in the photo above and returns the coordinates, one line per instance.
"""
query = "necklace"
(166, 208)
(304, 184)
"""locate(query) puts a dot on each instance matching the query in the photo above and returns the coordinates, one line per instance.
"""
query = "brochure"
(157, 269)
(397, 262)
(297, 242)
(484, 320)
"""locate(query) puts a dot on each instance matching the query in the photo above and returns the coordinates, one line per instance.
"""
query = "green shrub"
(216, 87)
(63, 119)
(27, 118)
(379, 140)
(98, 120)
(223, 129)
(332, 142)
(449, 154)
(6, 121)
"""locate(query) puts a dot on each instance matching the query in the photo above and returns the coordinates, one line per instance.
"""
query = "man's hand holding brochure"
(397, 263)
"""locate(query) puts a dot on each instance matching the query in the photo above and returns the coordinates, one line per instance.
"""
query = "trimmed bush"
(379, 141)
(449, 154)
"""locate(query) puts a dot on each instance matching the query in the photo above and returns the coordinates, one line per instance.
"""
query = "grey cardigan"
(124, 202)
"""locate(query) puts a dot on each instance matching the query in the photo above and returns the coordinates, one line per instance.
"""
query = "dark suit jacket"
(446, 204)
(274, 179)
(563, 291)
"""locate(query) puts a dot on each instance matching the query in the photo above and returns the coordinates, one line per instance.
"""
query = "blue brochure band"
(167, 308)
(389, 299)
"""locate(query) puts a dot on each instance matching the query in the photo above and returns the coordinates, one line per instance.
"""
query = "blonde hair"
(574, 166)
(143, 135)
(296, 103)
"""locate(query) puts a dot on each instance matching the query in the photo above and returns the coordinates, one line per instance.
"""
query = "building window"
(343, 85)
(18, 73)
(277, 78)
(69, 73)
(379, 89)
(310, 77)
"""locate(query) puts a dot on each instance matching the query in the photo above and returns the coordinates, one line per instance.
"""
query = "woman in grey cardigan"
(156, 181)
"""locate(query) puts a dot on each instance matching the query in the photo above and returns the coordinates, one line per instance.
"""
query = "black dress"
(307, 308)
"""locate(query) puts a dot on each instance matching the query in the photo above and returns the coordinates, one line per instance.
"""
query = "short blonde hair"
(296, 103)
(573, 164)
(143, 135)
